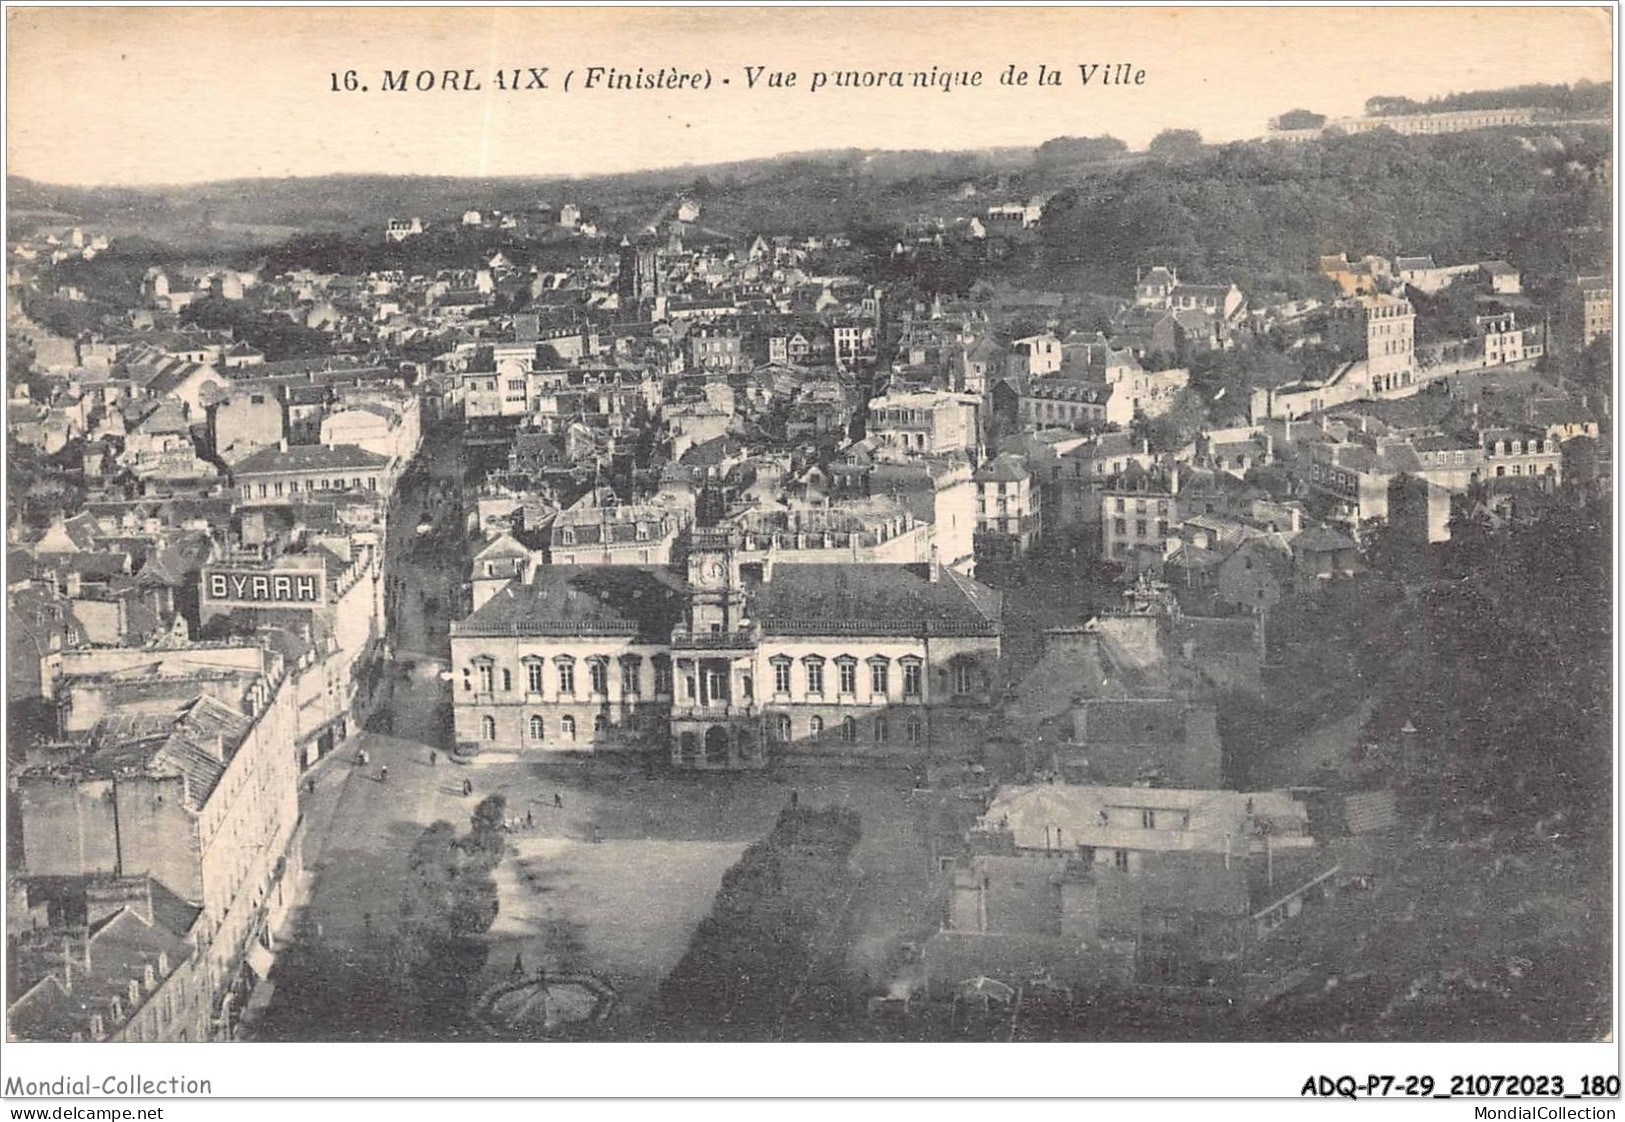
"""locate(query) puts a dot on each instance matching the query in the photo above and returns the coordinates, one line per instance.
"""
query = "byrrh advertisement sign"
(265, 586)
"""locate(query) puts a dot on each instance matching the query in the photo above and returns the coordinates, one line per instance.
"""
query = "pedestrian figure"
(468, 788)
(597, 835)
(518, 966)
(383, 773)
(310, 785)
(795, 799)
(530, 818)
(434, 757)
(366, 920)
(558, 800)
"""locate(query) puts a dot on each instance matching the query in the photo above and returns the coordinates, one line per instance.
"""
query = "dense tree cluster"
(416, 979)
(1062, 151)
(1176, 145)
(1261, 214)
(1580, 98)
(1448, 314)
(749, 956)
(1502, 663)
(1299, 119)
(1486, 663)
(277, 335)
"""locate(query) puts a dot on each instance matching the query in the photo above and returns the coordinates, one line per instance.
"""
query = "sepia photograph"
(722, 525)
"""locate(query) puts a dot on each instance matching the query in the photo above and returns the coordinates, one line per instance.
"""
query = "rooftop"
(875, 600)
(309, 457)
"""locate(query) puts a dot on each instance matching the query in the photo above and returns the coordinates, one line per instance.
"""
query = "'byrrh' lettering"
(282, 588)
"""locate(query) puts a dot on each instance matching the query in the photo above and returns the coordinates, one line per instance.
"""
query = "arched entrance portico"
(717, 742)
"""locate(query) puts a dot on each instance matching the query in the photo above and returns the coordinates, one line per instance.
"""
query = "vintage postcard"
(737, 525)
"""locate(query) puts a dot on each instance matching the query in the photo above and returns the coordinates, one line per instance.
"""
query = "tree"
(1174, 429)
(1300, 119)
(491, 814)
(1448, 314)
(1176, 145)
(1064, 150)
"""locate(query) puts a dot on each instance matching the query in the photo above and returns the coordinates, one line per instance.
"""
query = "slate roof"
(875, 600)
(120, 949)
(561, 600)
(1030, 814)
(1067, 389)
(193, 740)
(1003, 469)
(309, 457)
(1321, 539)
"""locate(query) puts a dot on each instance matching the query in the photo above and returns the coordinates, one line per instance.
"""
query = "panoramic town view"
(1064, 593)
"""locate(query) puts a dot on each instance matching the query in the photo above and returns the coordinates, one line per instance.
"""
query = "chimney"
(67, 964)
(936, 565)
(1173, 479)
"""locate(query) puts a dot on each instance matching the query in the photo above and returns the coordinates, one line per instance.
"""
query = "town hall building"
(733, 667)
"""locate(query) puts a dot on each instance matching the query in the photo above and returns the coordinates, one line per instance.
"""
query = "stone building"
(178, 765)
(881, 663)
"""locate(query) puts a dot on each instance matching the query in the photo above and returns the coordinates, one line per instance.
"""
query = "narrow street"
(423, 573)
(359, 824)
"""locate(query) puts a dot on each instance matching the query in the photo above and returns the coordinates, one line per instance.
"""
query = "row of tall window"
(276, 489)
(1120, 528)
(783, 728)
(536, 727)
(846, 675)
(847, 729)
(1140, 506)
(485, 675)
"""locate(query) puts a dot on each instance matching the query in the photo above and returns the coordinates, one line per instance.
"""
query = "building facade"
(879, 663)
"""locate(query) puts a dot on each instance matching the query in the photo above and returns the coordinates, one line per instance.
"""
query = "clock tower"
(716, 599)
(715, 723)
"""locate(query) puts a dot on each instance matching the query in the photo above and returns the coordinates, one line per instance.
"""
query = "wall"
(158, 835)
(246, 422)
(67, 827)
(635, 721)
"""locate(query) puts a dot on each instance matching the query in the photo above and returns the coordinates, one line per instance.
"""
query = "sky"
(146, 96)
